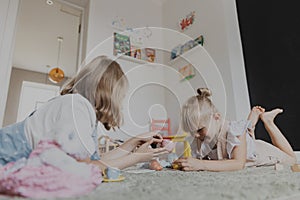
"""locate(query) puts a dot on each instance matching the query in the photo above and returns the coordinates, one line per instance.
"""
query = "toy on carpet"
(155, 165)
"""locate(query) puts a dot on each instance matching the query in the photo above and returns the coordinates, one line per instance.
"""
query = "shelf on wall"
(185, 54)
(136, 60)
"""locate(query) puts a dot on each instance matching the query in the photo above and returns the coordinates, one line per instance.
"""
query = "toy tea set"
(112, 174)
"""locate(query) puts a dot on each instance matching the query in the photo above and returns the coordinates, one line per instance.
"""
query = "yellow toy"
(181, 138)
(175, 166)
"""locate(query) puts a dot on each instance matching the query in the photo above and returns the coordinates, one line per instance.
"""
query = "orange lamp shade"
(56, 75)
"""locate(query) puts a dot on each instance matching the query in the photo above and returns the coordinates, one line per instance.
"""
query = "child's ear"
(217, 116)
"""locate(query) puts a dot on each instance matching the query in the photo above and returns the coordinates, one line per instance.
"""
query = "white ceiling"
(38, 27)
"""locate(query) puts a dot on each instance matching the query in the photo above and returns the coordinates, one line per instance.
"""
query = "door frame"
(7, 42)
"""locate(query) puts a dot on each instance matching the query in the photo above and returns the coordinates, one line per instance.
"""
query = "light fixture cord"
(59, 51)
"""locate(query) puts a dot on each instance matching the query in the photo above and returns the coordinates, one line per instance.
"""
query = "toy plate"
(121, 178)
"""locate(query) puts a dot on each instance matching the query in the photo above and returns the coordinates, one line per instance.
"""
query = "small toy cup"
(112, 173)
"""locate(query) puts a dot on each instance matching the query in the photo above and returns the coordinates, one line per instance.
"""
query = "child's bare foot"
(268, 117)
(254, 114)
(254, 117)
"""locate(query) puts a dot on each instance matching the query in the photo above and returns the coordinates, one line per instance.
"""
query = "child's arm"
(142, 154)
(99, 163)
(131, 145)
(120, 163)
(236, 163)
(121, 151)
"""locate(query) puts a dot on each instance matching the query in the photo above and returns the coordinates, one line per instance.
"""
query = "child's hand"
(131, 144)
(146, 153)
(188, 164)
(169, 145)
(146, 137)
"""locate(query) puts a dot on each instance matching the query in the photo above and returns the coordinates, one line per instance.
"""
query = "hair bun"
(204, 92)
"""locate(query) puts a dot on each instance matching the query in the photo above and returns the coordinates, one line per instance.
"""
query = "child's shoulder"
(76, 98)
(76, 101)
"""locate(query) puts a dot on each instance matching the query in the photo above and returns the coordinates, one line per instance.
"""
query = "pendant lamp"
(56, 74)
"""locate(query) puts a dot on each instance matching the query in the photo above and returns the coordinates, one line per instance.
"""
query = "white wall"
(134, 12)
(142, 93)
(216, 20)
(8, 18)
(236, 60)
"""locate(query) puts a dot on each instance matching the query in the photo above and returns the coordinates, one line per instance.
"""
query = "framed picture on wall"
(186, 72)
(199, 40)
(188, 45)
(150, 54)
(136, 52)
(176, 51)
(121, 44)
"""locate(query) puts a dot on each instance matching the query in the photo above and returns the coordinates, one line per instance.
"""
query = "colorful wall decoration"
(186, 72)
(187, 21)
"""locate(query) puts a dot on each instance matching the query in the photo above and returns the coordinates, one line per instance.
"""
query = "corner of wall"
(236, 59)
(6, 49)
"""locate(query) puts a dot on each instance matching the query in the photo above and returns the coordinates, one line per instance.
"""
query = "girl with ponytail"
(223, 145)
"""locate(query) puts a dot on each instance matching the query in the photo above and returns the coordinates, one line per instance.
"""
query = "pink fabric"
(44, 180)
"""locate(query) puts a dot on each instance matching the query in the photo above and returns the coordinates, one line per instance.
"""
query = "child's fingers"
(146, 144)
(185, 164)
(159, 136)
(156, 135)
(187, 169)
(160, 150)
(149, 142)
(181, 160)
(151, 136)
(157, 140)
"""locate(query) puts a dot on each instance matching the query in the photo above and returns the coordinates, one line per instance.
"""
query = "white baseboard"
(298, 156)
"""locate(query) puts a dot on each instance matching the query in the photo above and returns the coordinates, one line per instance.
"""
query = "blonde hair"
(197, 109)
(104, 84)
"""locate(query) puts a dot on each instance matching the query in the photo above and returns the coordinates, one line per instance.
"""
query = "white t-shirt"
(70, 120)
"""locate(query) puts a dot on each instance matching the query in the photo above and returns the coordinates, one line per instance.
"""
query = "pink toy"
(168, 144)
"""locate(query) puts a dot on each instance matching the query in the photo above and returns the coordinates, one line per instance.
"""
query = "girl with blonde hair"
(222, 145)
(94, 95)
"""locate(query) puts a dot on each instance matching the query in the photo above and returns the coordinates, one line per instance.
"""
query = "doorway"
(36, 48)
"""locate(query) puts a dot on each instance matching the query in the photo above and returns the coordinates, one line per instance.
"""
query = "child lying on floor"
(222, 145)
(94, 95)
